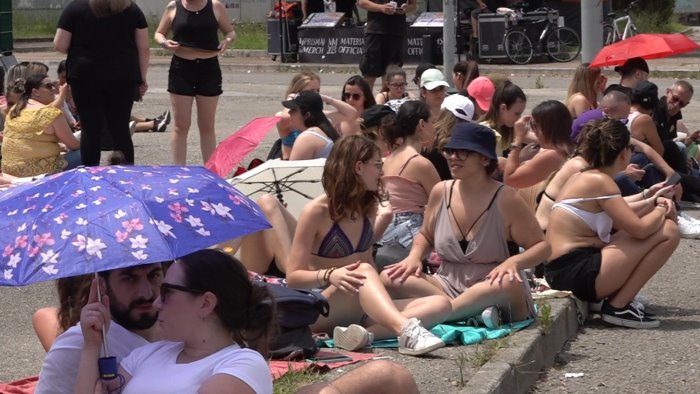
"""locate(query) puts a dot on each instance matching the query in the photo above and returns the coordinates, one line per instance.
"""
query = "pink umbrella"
(231, 151)
(646, 46)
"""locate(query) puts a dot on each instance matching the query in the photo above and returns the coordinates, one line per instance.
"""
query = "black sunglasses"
(167, 288)
(461, 154)
(355, 96)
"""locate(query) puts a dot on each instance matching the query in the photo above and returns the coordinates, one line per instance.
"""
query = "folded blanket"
(457, 333)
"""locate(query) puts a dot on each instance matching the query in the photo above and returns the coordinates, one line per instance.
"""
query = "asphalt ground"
(611, 359)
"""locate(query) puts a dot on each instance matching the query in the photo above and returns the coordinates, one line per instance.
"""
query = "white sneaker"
(352, 337)
(688, 226)
(416, 340)
(491, 317)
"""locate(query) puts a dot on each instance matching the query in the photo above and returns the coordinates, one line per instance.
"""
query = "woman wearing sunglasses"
(332, 250)
(215, 324)
(34, 130)
(475, 224)
(393, 86)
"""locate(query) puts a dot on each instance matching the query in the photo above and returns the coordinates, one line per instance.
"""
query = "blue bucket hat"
(473, 137)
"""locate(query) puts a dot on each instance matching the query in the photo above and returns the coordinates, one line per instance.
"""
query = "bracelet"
(327, 275)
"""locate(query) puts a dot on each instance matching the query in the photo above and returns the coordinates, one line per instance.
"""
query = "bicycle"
(562, 44)
(611, 31)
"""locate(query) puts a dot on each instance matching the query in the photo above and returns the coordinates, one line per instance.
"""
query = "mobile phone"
(329, 357)
(673, 179)
(648, 166)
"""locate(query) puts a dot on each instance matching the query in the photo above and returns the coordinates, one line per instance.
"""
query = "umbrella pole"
(107, 366)
(104, 333)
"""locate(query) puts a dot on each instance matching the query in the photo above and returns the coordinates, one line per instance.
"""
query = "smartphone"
(329, 357)
(673, 180)
(648, 167)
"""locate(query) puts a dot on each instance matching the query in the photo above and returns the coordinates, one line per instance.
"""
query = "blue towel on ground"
(457, 333)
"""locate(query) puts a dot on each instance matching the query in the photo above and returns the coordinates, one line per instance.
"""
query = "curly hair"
(602, 141)
(347, 195)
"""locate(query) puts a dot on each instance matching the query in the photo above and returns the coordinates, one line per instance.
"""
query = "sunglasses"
(354, 96)
(167, 288)
(676, 99)
(398, 84)
(460, 154)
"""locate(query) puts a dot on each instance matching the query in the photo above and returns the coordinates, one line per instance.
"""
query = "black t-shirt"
(381, 23)
(666, 125)
(314, 6)
(102, 48)
(345, 6)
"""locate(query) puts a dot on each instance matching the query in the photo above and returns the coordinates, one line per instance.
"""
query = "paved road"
(660, 360)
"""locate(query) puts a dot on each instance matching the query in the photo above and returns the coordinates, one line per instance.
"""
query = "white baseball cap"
(432, 78)
(460, 106)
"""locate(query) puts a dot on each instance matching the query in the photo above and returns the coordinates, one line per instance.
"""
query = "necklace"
(191, 6)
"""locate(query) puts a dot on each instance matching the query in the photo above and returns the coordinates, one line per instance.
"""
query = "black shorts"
(575, 271)
(380, 51)
(199, 77)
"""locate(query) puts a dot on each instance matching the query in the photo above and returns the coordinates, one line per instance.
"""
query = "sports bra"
(599, 222)
(336, 244)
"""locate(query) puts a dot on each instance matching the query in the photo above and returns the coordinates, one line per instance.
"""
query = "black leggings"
(104, 108)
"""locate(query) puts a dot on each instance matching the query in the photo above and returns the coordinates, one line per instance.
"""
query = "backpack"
(297, 310)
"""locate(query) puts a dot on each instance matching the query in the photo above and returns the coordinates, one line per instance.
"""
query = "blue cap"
(473, 137)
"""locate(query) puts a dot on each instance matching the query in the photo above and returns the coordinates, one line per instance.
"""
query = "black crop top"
(196, 29)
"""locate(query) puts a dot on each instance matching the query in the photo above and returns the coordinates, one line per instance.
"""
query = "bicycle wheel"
(563, 44)
(518, 47)
(608, 34)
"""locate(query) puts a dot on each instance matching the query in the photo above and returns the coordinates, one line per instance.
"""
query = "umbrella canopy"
(294, 182)
(101, 218)
(646, 46)
(231, 151)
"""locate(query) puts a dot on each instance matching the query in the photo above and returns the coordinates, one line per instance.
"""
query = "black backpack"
(297, 310)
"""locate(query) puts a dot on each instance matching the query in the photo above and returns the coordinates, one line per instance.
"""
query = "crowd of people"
(438, 206)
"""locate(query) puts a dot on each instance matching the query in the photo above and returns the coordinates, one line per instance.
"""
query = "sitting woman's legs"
(509, 296)
(259, 249)
(628, 263)
(388, 316)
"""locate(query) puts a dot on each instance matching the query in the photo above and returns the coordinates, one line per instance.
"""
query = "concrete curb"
(516, 369)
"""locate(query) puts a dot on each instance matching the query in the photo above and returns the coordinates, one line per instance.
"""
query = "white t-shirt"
(60, 368)
(154, 370)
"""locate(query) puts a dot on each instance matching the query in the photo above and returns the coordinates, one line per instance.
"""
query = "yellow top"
(26, 149)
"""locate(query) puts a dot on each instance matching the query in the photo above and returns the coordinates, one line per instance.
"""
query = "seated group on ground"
(39, 124)
(434, 209)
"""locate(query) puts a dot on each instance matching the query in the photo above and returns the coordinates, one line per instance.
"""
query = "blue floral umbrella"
(100, 218)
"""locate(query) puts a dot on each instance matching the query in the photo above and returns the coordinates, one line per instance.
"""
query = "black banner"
(344, 45)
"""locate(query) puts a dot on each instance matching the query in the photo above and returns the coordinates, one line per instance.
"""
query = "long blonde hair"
(583, 82)
(104, 8)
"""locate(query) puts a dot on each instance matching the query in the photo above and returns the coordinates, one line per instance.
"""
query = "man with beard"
(131, 293)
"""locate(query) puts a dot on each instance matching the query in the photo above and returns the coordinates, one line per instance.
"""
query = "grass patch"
(248, 35)
(41, 23)
(293, 381)
(484, 353)
(35, 23)
(544, 316)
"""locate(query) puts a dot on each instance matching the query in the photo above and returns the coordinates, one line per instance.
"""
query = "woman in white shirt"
(209, 312)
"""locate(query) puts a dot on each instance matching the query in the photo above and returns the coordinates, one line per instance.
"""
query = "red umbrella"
(646, 46)
(231, 151)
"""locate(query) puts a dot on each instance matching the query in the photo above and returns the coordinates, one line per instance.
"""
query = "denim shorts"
(403, 228)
